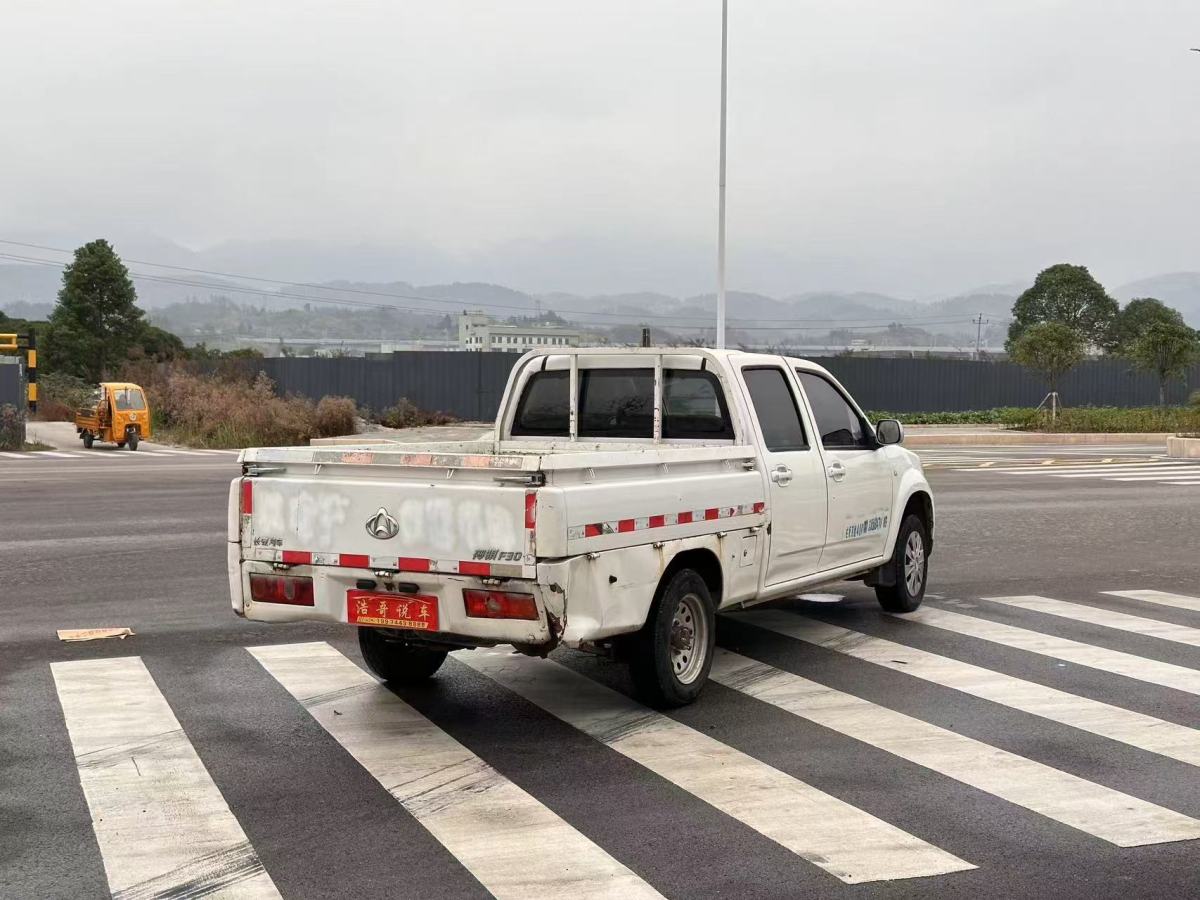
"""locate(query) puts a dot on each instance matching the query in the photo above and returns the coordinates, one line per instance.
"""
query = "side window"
(545, 407)
(775, 407)
(839, 424)
(694, 406)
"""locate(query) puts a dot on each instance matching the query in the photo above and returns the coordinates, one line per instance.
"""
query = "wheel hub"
(914, 563)
(688, 639)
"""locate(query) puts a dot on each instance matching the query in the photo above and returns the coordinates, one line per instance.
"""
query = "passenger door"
(795, 476)
(858, 472)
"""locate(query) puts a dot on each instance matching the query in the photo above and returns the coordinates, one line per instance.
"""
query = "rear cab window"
(619, 403)
(775, 408)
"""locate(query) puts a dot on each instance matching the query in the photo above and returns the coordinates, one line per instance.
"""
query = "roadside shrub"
(1010, 416)
(59, 395)
(1194, 399)
(230, 412)
(406, 414)
(12, 428)
(1082, 419)
(335, 416)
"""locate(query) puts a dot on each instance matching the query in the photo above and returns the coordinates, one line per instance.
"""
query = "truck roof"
(652, 353)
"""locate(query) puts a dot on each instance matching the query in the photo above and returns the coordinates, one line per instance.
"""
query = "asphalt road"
(1082, 793)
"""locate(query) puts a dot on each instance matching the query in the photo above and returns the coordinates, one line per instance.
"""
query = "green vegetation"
(406, 414)
(1068, 295)
(1083, 419)
(1137, 316)
(12, 428)
(1049, 348)
(1166, 349)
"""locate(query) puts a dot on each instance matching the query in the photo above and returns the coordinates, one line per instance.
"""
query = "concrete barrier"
(1180, 447)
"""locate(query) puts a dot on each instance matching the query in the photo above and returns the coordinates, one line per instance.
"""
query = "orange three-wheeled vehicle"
(117, 413)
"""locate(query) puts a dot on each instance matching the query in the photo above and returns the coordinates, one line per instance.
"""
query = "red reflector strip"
(247, 497)
(658, 521)
(530, 509)
(711, 514)
(625, 525)
(591, 531)
(475, 568)
(687, 517)
(499, 605)
(290, 590)
(760, 507)
(354, 560)
(295, 557)
(412, 564)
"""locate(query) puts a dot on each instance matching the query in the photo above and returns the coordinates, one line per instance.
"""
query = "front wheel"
(909, 568)
(88, 440)
(132, 440)
(395, 660)
(673, 652)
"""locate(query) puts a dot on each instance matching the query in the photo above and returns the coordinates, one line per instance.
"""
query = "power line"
(678, 320)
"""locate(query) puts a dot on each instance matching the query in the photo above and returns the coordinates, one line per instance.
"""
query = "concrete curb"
(1002, 438)
(1183, 447)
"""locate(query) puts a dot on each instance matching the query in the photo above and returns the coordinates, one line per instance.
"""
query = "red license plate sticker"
(415, 611)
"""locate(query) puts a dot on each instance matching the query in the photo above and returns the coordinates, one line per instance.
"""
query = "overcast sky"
(913, 148)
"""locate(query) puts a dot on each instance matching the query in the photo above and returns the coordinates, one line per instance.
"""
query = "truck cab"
(623, 499)
(116, 413)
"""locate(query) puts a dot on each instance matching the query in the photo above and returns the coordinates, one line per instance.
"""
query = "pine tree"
(96, 320)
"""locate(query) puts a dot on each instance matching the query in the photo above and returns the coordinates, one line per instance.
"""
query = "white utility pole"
(978, 334)
(721, 185)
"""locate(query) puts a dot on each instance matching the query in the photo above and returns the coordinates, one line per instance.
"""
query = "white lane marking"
(8, 455)
(1112, 722)
(1162, 598)
(1115, 662)
(59, 455)
(168, 451)
(1182, 482)
(161, 823)
(1107, 618)
(1098, 467)
(513, 844)
(1161, 479)
(1092, 808)
(839, 838)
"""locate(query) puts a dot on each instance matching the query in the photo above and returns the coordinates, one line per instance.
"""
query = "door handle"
(836, 471)
(781, 475)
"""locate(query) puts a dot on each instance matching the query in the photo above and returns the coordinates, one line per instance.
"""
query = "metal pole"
(978, 333)
(721, 185)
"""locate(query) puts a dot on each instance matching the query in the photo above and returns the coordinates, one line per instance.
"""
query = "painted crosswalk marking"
(1151, 671)
(1135, 729)
(514, 845)
(163, 828)
(1163, 598)
(841, 839)
(1092, 808)
(1107, 618)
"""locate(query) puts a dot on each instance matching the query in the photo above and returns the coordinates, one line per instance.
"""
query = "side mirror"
(889, 431)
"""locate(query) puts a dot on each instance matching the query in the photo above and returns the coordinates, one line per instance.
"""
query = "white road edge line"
(512, 843)
(1115, 662)
(159, 819)
(1125, 726)
(845, 841)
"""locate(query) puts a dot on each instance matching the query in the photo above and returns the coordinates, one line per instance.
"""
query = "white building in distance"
(479, 331)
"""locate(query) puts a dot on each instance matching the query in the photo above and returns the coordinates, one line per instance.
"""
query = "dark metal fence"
(469, 385)
(12, 384)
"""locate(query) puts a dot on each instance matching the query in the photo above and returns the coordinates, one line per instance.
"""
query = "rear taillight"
(499, 605)
(293, 590)
(247, 497)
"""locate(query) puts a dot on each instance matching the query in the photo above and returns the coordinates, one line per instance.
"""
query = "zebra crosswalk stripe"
(1092, 808)
(1135, 729)
(1106, 618)
(1151, 671)
(1163, 598)
(845, 841)
(514, 845)
(163, 828)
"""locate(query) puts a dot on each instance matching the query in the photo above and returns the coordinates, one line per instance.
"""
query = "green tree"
(96, 320)
(1069, 295)
(1138, 315)
(1049, 348)
(1167, 349)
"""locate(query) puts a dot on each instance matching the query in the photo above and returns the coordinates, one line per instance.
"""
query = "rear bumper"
(330, 586)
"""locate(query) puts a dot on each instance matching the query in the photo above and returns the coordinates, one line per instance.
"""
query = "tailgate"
(437, 520)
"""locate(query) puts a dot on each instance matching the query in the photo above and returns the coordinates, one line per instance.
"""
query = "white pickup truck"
(624, 497)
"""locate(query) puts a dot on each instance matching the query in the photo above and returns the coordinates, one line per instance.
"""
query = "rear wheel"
(88, 440)
(909, 568)
(395, 660)
(673, 652)
(132, 440)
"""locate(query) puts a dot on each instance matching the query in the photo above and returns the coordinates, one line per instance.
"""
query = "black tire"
(664, 672)
(395, 660)
(132, 440)
(120, 445)
(909, 568)
(88, 440)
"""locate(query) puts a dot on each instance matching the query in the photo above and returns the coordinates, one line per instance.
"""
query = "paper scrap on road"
(93, 634)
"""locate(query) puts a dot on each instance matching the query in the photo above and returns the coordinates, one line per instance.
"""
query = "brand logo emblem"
(382, 526)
